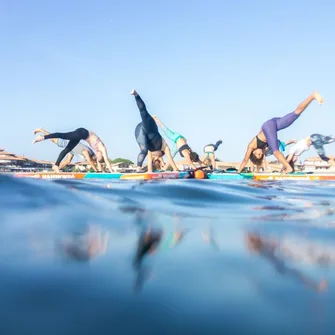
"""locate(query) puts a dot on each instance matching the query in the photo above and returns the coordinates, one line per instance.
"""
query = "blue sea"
(166, 257)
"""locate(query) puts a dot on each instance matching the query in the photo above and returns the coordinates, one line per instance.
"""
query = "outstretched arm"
(246, 156)
(105, 156)
(170, 159)
(89, 160)
(149, 162)
(162, 163)
(213, 161)
(291, 142)
(188, 159)
(265, 165)
(289, 157)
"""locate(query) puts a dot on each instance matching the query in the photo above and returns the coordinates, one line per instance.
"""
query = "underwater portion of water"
(166, 257)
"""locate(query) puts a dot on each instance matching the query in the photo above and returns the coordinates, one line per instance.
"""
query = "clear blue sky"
(208, 69)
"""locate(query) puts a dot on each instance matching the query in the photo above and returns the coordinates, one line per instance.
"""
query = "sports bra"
(183, 147)
(261, 144)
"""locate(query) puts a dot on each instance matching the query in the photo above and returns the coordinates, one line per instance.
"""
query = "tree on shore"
(121, 160)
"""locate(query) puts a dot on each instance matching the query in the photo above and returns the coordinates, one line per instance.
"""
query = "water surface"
(166, 257)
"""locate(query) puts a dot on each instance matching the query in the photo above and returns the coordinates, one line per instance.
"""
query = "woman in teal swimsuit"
(179, 144)
(209, 157)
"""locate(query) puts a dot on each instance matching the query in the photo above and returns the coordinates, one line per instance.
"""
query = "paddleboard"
(226, 176)
(173, 175)
(92, 175)
(49, 175)
(293, 176)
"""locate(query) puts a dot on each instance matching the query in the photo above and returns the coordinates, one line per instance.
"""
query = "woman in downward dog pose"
(80, 150)
(74, 138)
(262, 164)
(209, 157)
(179, 144)
(317, 141)
(149, 139)
(268, 136)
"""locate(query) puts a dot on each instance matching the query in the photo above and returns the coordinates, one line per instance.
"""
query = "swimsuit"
(95, 144)
(184, 147)
(214, 146)
(172, 136)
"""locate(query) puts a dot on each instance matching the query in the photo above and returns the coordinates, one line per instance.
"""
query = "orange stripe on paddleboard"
(151, 176)
(293, 177)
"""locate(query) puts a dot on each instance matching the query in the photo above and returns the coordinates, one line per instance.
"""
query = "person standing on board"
(80, 150)
(315, 140)
(149, 139)
(268, 136)
(179, 144)
(209, 157)
(74, 138)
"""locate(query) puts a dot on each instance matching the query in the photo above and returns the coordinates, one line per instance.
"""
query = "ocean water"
(166, 257)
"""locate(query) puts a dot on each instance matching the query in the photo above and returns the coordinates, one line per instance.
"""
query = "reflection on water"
(274, 251)
(166, 257)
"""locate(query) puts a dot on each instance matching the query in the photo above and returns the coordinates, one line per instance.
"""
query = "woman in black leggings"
(74, 137)
(149, 139)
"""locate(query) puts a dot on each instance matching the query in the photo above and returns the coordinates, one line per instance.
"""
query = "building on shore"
(10, 162)
(316, 164)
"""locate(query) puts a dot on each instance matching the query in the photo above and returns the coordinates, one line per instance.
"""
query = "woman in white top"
(318, 141)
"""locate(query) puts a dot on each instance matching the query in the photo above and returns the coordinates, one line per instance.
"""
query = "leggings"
(153, 140)
(215, 146)
(142, 140)
(74, 138)
(318, 141)
(172, 136)
(271, 127)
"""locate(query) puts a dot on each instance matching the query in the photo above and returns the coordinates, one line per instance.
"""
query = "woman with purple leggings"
(268, 136)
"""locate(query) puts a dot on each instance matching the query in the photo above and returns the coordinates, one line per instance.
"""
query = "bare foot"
(316, 95)
(38, 130)
(288, 170)
(56, 168)
(39, 138)
(133, 92)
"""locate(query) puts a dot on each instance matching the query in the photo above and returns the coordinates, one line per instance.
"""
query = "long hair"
(255, 160)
